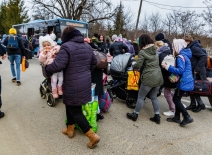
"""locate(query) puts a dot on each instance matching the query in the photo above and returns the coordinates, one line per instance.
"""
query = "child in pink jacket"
(48, 52)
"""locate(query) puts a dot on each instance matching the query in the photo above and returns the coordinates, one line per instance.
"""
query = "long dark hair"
(144, 40)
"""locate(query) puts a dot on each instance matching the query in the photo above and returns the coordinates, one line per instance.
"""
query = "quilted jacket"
(184, 69)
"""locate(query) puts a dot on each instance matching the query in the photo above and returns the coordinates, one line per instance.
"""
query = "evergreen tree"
(119, 21)
(3, 7)
(13, 12)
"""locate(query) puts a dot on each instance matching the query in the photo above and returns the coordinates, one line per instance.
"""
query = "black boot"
(132, 116)
(199, 108)
(156, 119)
(191, 106)
(174, 119)
(99, 116)
(186, 120)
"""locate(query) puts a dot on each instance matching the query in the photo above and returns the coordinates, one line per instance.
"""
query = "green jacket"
(151, 75)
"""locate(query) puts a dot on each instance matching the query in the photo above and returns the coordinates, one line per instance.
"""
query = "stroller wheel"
(50, 100)
(42, 92)
(131, 103)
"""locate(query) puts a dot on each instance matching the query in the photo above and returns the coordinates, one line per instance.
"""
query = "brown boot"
(94, 138)
(69, 131)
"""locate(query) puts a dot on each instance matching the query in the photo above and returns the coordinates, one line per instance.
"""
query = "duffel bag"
(201, 87)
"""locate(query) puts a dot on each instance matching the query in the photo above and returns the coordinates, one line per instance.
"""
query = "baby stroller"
(46, 89)
(119, 68)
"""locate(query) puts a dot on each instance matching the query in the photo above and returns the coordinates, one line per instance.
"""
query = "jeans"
(17, 59)
(75, 116)
(179, 108)
(0, 93)
(143, 91)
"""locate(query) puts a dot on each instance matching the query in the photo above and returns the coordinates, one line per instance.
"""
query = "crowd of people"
(71, 65)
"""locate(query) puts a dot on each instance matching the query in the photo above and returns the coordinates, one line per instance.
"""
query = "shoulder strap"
(181, 57)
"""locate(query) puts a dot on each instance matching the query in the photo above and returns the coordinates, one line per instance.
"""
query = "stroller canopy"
(120, 62)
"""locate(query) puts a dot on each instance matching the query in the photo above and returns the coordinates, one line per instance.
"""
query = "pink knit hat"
(87, 40)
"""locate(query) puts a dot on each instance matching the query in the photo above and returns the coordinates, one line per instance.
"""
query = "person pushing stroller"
(48, 52)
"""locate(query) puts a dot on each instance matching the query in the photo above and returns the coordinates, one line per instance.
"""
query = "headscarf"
(179, 44)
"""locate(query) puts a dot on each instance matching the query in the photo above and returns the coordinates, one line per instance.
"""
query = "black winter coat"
(199, 59)
(20, 51)
(164, 51)
(97, 78)
(102, 47)
(77, 60)
(117, 47)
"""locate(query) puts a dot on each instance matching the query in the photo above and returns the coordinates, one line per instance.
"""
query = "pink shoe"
(60, 91)
(54, 93)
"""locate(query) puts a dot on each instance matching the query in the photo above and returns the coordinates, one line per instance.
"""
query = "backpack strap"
(181, 57)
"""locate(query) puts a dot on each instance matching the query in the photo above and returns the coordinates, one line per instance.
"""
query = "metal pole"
(139, 12)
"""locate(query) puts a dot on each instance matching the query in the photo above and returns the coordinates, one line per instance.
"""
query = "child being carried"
(48, 52)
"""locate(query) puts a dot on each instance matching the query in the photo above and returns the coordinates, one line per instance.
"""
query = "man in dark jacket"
(15, 55)
(198, 62)
(118, 47)
(160, 37)
(3, 54)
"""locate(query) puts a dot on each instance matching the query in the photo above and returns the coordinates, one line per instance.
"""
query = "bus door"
(30, 32)
(50, 29)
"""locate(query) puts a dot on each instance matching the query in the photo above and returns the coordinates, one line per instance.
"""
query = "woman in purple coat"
(77, 60)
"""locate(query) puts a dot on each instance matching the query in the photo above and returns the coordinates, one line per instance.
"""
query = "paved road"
(31, 127)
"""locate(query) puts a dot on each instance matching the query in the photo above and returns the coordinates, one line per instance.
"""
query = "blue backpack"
(12, 42)
(105, 102)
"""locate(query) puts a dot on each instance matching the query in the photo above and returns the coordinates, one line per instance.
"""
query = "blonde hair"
(159, 43)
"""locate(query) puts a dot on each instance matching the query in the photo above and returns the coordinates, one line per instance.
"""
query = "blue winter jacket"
(184, 69)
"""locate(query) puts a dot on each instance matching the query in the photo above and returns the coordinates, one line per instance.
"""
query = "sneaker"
(1, 114)
(168, 113)
(14, 80)
(18, 83)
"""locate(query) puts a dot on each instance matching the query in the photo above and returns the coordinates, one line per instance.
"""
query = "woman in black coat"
(162, 52)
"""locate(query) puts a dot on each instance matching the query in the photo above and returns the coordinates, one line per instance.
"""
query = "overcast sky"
(150, 8)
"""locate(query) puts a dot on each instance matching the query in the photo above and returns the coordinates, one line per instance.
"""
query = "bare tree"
(155, 22)
(88, 10)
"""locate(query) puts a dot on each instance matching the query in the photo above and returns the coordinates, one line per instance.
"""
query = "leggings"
(57, 76)
(143, 91)
(169, 98)
(75, 116)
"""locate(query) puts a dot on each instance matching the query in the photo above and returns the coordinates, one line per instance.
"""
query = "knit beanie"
(114, 37)
(188, 38)
(12, 31)
(87, 40)
(159, 37)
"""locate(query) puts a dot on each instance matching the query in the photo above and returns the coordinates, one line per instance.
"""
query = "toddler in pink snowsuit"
(48, 52)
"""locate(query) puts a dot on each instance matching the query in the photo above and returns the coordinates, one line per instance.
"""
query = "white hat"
(45, 39)
(53, 36)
